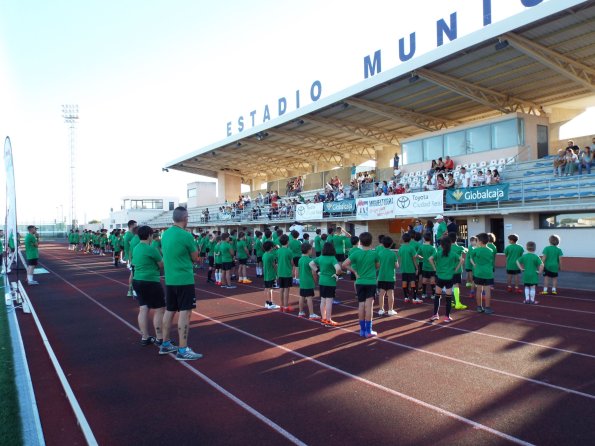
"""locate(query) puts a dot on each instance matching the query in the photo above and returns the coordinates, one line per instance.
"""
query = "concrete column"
(229, 186)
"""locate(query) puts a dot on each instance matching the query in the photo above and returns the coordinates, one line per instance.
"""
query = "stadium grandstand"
(496, 104)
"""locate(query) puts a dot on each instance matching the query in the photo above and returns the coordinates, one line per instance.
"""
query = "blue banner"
(481, 194)
(337, 207)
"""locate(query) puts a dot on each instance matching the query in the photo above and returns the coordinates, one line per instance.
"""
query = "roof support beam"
(489, 98)
(371, 134)
(281, 155)
(333, 145)
(329, 157)
(426, 122)
(564, 65)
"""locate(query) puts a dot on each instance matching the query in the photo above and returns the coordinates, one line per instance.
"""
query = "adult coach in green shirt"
(127, 238)
(32, 253)
(179, 255)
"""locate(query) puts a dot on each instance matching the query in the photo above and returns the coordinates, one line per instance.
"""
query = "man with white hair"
(439, 229)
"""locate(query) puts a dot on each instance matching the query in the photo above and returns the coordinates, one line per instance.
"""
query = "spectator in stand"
(571, 159)
(418, 226)
(384, 188)
(430, 183)
(440, 165)
(399, 189)
(407, 188)
(559, 163)
(340, 195)
(495, 177)
(488, 177)
(450, 181)
(585, 160)
(440, 182)
(432, 170)
(329, 196)
(396, 162)
(481, 179)
(572, 146)
(449, 164)
(465, 178)
(452, 225)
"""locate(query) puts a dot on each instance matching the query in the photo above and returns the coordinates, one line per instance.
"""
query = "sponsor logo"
(457, 194)
(403, 202)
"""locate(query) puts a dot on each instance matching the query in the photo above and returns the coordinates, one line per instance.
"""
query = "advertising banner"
(337, 207)
(376, 208)
(310, 211)
(418, 203)
(10, 231)
(482, 194)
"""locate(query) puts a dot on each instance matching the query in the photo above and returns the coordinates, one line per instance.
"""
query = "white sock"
(553, 289)
(29, 278)
(532, 293)
(527, 293)
(545, 289)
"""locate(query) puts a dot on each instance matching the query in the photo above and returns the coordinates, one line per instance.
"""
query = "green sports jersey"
(249, 241)
(468, 265)
(241, 252)
(31, 247)
(318, 243)
(446, 265)
(415, 244)
(326, 265)
(204, 241)
(364, 262)
(275, 238)
(157, 245)
(211, 247)
(258, 248)
(552, 256)
(407, 259)
(387, 259)
(493, 248)
(226, 252)
(442, 228)
(426, 251)
(268, 266)
(459, 250)
(116, 244)
(339, 243)
(178, 245)
(305, 273)
(145, 260)
(513, 252)
(127, 238)
(76, 238)
(133, 243)
(295, 247)
(483, 257)
(284, 262)
(217, 253)
(531, 263)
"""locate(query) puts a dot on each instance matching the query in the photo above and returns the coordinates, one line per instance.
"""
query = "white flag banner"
(10, 231)
(310, 211)
(419, 203)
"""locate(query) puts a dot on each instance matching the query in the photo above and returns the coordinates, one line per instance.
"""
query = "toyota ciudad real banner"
(405, 205)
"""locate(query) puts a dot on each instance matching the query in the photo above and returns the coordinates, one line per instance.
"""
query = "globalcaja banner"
(482, 194)
(310, 211)
(337, 207)
(418, 203)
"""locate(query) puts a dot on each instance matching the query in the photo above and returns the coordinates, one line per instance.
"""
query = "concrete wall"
(229, 187)
(206, 193)
(580, 141)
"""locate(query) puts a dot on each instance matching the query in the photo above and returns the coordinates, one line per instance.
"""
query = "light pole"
(70, 113)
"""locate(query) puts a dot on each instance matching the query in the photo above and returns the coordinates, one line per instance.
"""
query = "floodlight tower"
(70, 113)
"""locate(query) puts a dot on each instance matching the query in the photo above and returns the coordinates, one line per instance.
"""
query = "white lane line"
(290, 437)
(408, 347)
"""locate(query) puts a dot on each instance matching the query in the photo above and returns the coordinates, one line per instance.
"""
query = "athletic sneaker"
(435, 317)
(188, 355)
(301, 314)
(527, 301)
(447, 319)
(247, 281)
(371, 334)
(407, 300)
(129, 294)
(150, 340)
(167, 349)
(330, 323)
(460, 307)
(424, 296)
(417, 301)
(554, 293)
(392, 312)
(544, 292)
(488, 310)
(271, 307)
(230, 287)
(33, 282)
(314, 317)
(288, 309)
(480, 309)
(534, 302)
(380, 312)
(518, 291)
(336, 301)
(468, 284)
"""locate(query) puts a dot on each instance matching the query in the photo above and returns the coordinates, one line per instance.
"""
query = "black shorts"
(211, 261)
(296, 261)
(218, 265)
(548, 273)
(227, 266)
(243, 261)
(484, 282)
(419, 269)
(443, 283)
(95, 246)
(149, 293)
(383, 285)
(530, 284)
(32, 262)
(468, 270)
(258, 259)
(327, 292)
(180, 297)
(340, 257)
(513, 272)
(365, 292)
(306, 292)
(285, 282)
(409, 277)
(269, 283)
(456, 279)
(318, 253)
(428, 274)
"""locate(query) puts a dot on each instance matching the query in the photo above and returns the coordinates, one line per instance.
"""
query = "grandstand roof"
(548, 62)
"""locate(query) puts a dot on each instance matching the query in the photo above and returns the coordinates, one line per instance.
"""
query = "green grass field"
(10, 420)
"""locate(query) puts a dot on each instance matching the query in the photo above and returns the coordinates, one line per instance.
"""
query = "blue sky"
(157, 79)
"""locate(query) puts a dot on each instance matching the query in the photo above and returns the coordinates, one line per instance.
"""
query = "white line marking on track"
(290, 437)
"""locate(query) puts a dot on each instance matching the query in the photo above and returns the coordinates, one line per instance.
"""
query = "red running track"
(523, 375)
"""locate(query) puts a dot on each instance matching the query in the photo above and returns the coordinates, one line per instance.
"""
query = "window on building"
(505, 134)
(479, 139)
(455, 144)
(412, 152)
(432, 148)
(146, 204)
(192, 192)
(567, 221)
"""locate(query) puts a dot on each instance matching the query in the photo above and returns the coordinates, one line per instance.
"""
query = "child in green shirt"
(428, 272)
(327, 267)
(552, 264)
(407, 255)
(513, 252)
(469, 267)
(285, 271)
(482, 259)
(258, 251)
(531, 266)
(457, 278)
(242, 256)
(307, 282)
(446, 261)
(269, 272)
(386, 277)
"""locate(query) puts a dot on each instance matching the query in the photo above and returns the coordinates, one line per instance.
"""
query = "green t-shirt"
(442, 228)
(552, 258)
(258, 248)
(326, 264)
(241, 252)
(493, 248)
(387, 259)
(513, 252)
(415, 244)
(211, 246)
(127, 238)
(339, 242)
(364, 263)
(217, 253)
(305, 272)
(116, 244)
(483, 257)
(407, 259)
(31, 247)
(157, 245)
(76, 237)
(145, 259)
(318, 243)
(295, 247)
(226, 255)
(446, 265)
(133, 244)
(531, 262)
(268, 265)
(426, 251)
(284, 262)
(178, 245)
(459, 251)
(468, 258)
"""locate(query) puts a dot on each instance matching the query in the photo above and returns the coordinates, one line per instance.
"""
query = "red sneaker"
(288, 309)
(331, 323)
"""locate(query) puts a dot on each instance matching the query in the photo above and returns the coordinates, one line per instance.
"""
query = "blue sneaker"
(336, 301)
(167, 349)
(188, 355)
(488, 310)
